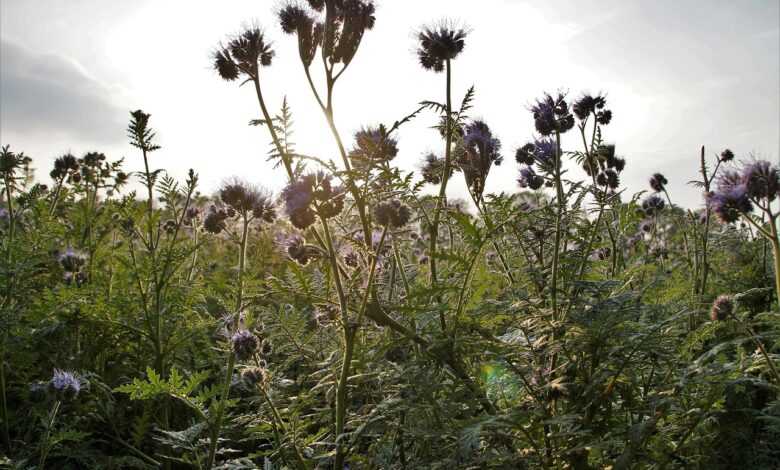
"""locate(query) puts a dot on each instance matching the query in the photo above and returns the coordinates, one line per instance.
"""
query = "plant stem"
(45, 445)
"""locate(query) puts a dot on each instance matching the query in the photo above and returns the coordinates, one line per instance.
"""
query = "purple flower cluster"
(72, 262)
(737, 192)
(480, 152)
(392, 214)
(65, 386)
(658, 182)
(296, 248)
(432, 169)
(529, 179)
(373, 146)
(551, 114)
(653, 205)
(312, 194)
(246, 199)
(245, 344)
(589, 105)
(215, 220)
(440, 44)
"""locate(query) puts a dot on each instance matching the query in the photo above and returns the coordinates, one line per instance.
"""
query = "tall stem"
(558, 217)
(442, 189)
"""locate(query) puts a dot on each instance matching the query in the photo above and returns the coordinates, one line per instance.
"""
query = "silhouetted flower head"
(297, 20)
(529, 178)
(64, 385)
(480, 152)
(214, 222)
(761, 180)
(729, 202)
(619, 164)
(552, 114)
(587, 105)
(604, 117)
(653, 204)
(658, 182)
(432, 169)
(300, 197)
(244, 344)
(373, 146)
(541, 151)
(245, 53)
(63, 166)
(722, 308)
(10, 162)
(726, 155)
(246, 199)
(438, 44)
(296, 248)
(393, 214)
(608, 178)
(525, 154)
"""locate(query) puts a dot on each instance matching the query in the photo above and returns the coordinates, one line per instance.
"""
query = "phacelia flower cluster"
(64, 385)
(373, 146)
(392, 214)
(296, 248)
(652, 205)
(589, 105)
(737, 192)
(248, 201)
(309, 195)
(432, 169)
(73, 262)
(551, 114)
(245, 344)
(243, 54)
(481, 150)
(439, 44)
(658, 182)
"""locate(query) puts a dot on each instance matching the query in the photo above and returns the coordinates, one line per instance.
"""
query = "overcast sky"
(678, 75)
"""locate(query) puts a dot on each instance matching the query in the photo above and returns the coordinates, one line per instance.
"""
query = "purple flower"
(72, 260)
(244, 344)
(480, 151)
(653, 204)
(729, 202)
(64, 385)
(373, 145)
(658, 182)
(761, 180)
(296, 248)
(529, 178)
(552, 114)
(392, 214)
(439, 44)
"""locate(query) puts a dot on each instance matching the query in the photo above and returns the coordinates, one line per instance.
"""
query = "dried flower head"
(439, 44)
(64, 385)
(722, 308)
(244, 344)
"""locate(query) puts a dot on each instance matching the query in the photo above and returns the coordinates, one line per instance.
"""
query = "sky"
(677, 75)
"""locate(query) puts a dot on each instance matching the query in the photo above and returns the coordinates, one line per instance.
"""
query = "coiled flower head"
(72, 260)
(300, 196)
(64, 385)
(432, 169)
(373, 146)
(658, 182)
(529, 179)
(480, 152)
(722, 308)
(761, 180)
(589, 105)
(392, 214)
(438, 44)
(727, 155)
(244, 54)
(254, 375)
(729, 202)
(551, 114)
(214, 222)
(64, 166)
(296, 248)
(653, 205)
(244, 344)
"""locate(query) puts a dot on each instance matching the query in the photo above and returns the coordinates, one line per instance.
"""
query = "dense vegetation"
(360, 319)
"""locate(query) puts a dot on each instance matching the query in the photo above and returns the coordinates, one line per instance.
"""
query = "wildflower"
(619, 164)
(63, 166)
(653, 204)
(658, 182)
(726, 155)
(169, 226)
(214, 222)
(440, 44)
(551, 114)
(72, 260)
(587, 105)
(722, 308)
(64, 385)
(481, 151)
(432, 169)
(392, 214)
(297, 249)
(296, 20)
(244, 54)
(254, 375)
(244, 344)
(300, 196)
(373, 146)
(529, 179)
(729, 202)
(646, 225)
(761, 180)
(604, 117)
(525, 154)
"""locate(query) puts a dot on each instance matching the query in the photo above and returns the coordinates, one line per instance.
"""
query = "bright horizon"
(70, 73)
